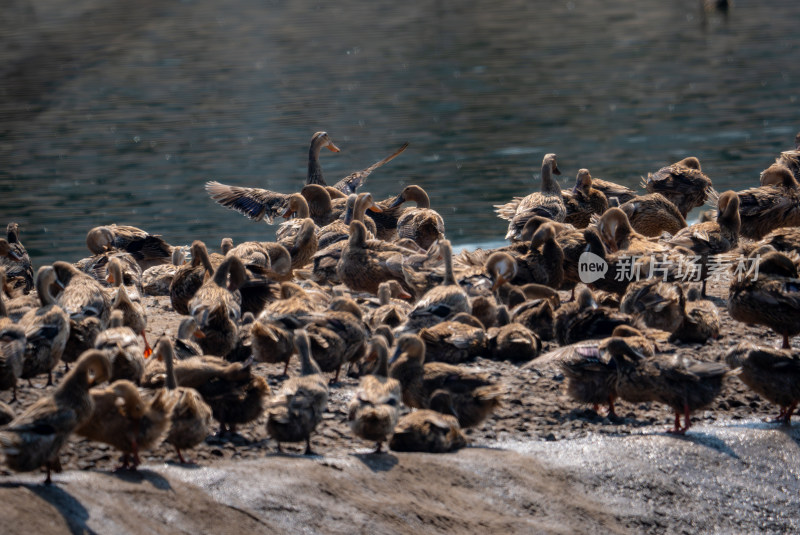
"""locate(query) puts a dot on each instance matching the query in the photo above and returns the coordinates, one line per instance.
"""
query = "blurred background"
(120, 110)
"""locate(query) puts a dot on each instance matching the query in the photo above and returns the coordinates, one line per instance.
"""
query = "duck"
(19, 270)
(683, 183)
(365, 264)
(125, 420)
(653, 214)
(434, 430)
(319, 141)
(486, 279)
(510, 340)
(185, 346)
(355, 209)
(773, 374)
(124, 349)
(457, 340)
(773, 204)
(234, 393)
(297, 408)
(372, 414)
(156, 280)
(443, 301)
(474, 395)
(303, 244)
(147, 249)
(618, 235)
(86, 303)
(537, 315)
(572, 242)
(272, 338)
(421, 224)
(257, 204)
(655, 304)
(12, 351)
(323, 208)
(583, 201)
(128, 301)
(190, 277)
(35, 437)
(544, 262)
(785, 240)
(625, 249)
(216, 307)
(619, 193)
(338, 336)
(390, 312)
(707, 240)
(684, 384)
(253, 254)
(351, 182)
(46, 330)
(190, 419)
(701, 320)
(546, 203)
(584, 319)
(770, 298)
(589, 369)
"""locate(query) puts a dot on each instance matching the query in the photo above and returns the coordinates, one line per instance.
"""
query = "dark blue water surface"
(120, 110)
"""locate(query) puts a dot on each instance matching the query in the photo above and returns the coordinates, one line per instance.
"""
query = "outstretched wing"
(255, 203)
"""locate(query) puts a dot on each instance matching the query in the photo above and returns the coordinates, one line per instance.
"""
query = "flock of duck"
(349, 278)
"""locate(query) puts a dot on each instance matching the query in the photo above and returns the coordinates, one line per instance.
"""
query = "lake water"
(120, 110)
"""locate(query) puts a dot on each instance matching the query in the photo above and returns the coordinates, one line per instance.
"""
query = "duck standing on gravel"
(372, 414)
(35, 437)
(296, 410)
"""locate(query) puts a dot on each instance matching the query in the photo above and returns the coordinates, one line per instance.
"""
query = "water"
(120, 111)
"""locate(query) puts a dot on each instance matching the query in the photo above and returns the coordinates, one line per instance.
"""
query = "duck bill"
(498, 283)
(333, 148)
(402, 294)
(397, 202)
(375, 208)
(556, 170)
(199, 334)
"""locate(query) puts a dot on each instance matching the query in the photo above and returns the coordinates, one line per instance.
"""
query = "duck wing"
(254, 203)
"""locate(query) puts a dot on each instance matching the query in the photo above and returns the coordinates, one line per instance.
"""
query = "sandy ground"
(540, 463)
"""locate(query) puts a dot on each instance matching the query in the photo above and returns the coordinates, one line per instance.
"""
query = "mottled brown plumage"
(35, 437)
(546, 203)
(296, 409)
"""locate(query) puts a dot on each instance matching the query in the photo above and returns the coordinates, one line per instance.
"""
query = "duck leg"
(180, 456)
(48, 480)
(686, 418)
(786, 344)
(336, 376)
(286, 368)
(379, 448)
(147, 349)
(611, 412)
(778, 418)
(676, 429)
(787, 417)
(49, 378)
(308, 451)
